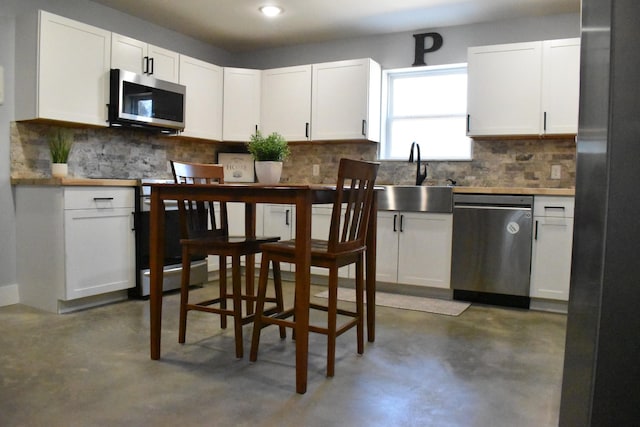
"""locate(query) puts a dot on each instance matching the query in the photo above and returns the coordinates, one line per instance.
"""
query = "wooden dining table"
(303, 197)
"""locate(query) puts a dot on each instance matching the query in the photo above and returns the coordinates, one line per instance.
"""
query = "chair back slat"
(352, 206)
(198, 219)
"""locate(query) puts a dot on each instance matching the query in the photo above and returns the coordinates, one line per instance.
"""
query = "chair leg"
(257, 320)
(237, 303)
(332, 314)
(223, 289)
(277, 283)
(184, 294)
(293, 331)
(250, 271)
(360, 302)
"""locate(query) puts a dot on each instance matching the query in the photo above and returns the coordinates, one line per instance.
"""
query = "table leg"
(302, 291)
(250, 271)
(156, 252)
(370, 283)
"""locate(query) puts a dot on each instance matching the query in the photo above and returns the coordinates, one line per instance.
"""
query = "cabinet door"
(203, 110)
(387, 246)
(241, 103)
(320, 225)
(551, 258)
(424, 256)
(73, 77)
(128, 54)
(235, 213)
(560, 85)
(504, 83)
(164, 64)
(341, 100)
(141, 58)
(279, 220)
(286, 102)
(99, 247)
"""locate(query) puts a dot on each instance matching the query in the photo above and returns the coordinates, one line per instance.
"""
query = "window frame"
(388, 76)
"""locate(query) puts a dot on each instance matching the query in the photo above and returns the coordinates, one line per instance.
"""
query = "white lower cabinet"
(280, 220)
(235, 214)
(414, 248)
(76, 245)
(320, 225)
(551, 248)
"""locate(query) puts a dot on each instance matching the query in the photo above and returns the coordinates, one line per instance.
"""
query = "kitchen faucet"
(420, 177)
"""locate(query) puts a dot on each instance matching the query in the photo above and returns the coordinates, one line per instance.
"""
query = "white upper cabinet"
(504, 89)
(241, 109)
(203, 109)
(63, 70)
(523, 88)
(346, 100)
(286, 102)
(142, 58)
(560, 85)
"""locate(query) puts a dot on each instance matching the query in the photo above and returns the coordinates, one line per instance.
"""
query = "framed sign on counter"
(238, 167)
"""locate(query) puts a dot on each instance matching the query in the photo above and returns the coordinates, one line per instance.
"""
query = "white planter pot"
(59, 170)
(268, 172)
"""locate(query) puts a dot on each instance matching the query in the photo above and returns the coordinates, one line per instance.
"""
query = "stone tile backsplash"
(130, 154)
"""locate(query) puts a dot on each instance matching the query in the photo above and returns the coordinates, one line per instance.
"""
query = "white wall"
(113, 20)
(392, 51)
(397, 50)
(91, 13)
(8, 283)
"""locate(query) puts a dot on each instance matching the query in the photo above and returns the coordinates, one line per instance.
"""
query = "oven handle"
(172, 204)
(176, 270)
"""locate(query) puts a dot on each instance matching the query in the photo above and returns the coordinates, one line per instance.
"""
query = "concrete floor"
(488, 367)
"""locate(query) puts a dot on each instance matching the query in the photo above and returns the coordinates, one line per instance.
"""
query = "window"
(427, 105)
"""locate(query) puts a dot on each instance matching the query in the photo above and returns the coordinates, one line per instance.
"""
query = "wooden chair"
(204, 234)
(345, 245)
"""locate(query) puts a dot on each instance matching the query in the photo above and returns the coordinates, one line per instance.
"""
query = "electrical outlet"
(316, 170)
(556, 171)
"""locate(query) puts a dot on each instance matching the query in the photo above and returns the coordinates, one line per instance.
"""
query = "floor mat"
(406, 302)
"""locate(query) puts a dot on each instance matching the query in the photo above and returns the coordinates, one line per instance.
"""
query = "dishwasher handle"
(487, 207)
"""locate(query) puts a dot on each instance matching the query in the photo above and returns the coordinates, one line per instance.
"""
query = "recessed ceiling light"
(271, 10)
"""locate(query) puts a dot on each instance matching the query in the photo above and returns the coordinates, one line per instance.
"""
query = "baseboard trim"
(9, 295)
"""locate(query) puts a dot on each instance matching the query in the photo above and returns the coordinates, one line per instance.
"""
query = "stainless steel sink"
(414, 198)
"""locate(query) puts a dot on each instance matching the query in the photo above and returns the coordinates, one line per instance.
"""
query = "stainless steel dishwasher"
(492, 248)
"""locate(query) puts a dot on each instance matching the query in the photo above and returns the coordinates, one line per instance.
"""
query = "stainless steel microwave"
(146, 102)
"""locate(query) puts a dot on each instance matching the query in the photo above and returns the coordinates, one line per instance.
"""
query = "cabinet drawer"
(554, 206)
(98, 198)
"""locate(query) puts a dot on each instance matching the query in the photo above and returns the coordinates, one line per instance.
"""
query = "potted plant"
(269, 152)
(60, 142)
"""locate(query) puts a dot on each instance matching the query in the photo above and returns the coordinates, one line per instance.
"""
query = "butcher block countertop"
(100, 182)
(517, 190)
(71, 181)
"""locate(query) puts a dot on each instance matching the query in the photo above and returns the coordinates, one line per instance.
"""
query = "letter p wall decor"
(421, 50)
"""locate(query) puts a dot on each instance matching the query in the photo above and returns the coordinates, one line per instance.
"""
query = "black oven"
(173, 251)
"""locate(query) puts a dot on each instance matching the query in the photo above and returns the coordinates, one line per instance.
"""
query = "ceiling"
(238, 26)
